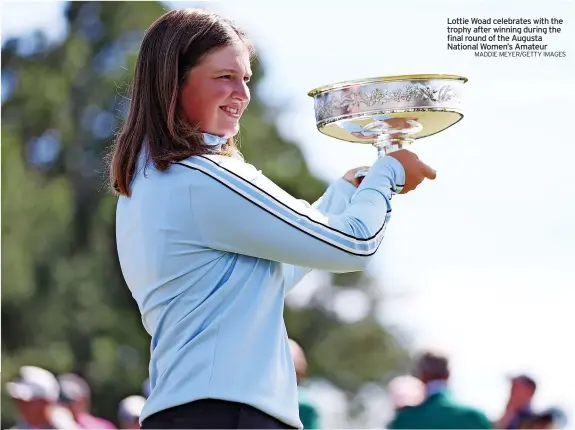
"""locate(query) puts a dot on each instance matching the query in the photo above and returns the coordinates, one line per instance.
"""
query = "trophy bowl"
(389, 112)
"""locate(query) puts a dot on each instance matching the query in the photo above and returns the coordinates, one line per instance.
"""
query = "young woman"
(209, 246)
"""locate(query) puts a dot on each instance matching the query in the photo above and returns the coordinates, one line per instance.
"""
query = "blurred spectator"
(35, 393)
(308, 413)
(554, 418)
(75, 395)
(146, 388)
(551, 418)
(129, 412)
(518, 409)
(438, 410)
(536, 421)
(405, 391)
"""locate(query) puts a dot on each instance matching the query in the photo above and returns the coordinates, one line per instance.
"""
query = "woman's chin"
(228, 132)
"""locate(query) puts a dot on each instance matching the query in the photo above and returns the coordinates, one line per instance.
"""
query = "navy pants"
(212, 414)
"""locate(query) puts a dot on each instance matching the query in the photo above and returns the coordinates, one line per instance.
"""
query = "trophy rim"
(381, 79)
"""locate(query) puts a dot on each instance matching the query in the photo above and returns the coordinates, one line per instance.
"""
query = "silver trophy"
(389, 112)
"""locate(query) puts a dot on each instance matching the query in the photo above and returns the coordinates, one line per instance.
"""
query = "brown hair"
(174, 43)
(433, 364)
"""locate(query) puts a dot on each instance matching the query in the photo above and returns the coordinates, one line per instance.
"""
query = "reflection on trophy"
(389, 112)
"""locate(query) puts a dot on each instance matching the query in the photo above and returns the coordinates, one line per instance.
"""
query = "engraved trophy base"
(389, 112)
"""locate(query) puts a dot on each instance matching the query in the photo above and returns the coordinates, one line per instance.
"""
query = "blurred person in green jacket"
(439, 410)
(308, 412)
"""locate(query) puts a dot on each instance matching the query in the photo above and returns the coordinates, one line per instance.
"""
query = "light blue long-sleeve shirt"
(209, 249)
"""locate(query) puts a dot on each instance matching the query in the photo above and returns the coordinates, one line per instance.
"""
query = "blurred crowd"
(419, 401)
(423, 400)
(45, 401)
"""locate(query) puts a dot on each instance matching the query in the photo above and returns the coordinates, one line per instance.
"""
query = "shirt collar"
(215, 142)
(435, 387)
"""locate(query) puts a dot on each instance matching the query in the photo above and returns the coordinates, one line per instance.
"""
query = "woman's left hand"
(350, 176)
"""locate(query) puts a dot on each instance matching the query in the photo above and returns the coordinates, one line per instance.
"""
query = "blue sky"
(479, 261)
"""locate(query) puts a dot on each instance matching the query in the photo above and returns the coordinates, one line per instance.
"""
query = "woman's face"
(215, 93)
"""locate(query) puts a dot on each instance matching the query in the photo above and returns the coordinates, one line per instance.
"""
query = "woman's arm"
(237, 209)
(336, 198)
(334, 201)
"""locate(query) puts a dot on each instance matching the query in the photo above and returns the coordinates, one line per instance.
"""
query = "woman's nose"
(242, 92)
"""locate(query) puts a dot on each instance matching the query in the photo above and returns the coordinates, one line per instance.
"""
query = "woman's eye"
(226, 77)
(246, 79)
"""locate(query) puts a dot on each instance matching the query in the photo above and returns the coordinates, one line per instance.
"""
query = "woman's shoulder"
(222, 167)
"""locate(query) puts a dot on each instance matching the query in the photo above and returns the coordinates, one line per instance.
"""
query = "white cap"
(131, 407)
(34, 383)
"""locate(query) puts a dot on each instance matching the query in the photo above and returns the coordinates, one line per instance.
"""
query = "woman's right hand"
(351, 177)
(415, 170)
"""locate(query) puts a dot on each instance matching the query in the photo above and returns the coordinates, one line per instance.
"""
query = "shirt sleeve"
(237, 209)
(334, 201)
(336, 198)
